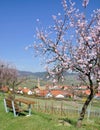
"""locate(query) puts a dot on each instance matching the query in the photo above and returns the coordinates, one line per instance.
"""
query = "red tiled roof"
(98, 94)
(87, 92)
(25, 90)
(57, 92)
(4, 88)
(83, 87)
(20, 88)
(43, 92)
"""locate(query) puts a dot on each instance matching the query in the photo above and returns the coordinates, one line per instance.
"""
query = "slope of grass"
(41, 121)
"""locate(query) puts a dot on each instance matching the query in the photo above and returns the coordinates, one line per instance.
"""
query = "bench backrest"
(11, 104)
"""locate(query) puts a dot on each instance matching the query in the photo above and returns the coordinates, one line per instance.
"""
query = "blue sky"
(18, 24)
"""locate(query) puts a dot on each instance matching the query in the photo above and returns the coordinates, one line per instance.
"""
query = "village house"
(4, 88)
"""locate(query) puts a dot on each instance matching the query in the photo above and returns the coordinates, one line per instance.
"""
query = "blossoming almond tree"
(73, 42)
(9, 76)
(86, 57)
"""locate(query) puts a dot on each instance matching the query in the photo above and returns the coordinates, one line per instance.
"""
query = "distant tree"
(9, 76)
(72, 43)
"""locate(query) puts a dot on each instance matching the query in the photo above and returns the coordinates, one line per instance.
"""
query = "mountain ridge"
(29, 73)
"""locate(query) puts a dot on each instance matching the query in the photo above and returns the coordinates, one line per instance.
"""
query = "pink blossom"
(59, 14)
(54, 81)
(85, 3)
(90, 65)
(54, 17)
(37, 20)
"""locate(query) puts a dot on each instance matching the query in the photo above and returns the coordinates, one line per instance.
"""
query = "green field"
(42, 121)
(32, 81)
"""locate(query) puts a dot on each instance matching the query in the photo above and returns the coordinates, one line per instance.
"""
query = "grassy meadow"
(42, 121)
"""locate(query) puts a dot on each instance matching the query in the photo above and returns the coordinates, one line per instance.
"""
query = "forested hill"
(35, 74)
(70, 78)
(42, 74)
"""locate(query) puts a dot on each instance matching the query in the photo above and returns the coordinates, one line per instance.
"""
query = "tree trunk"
(82, 114)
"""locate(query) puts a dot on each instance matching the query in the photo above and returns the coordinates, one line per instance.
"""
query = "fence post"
(52, 108)
(45, 106)
(89, 111)
(61, 108)
(38, 106)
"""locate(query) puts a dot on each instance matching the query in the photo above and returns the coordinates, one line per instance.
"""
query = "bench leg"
(29, 109)
(5, 105)
(14, 111)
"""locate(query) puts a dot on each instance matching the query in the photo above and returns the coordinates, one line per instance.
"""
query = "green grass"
(41, 121)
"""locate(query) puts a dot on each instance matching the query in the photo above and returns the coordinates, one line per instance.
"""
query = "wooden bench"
(27, 102)
(11, 105)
